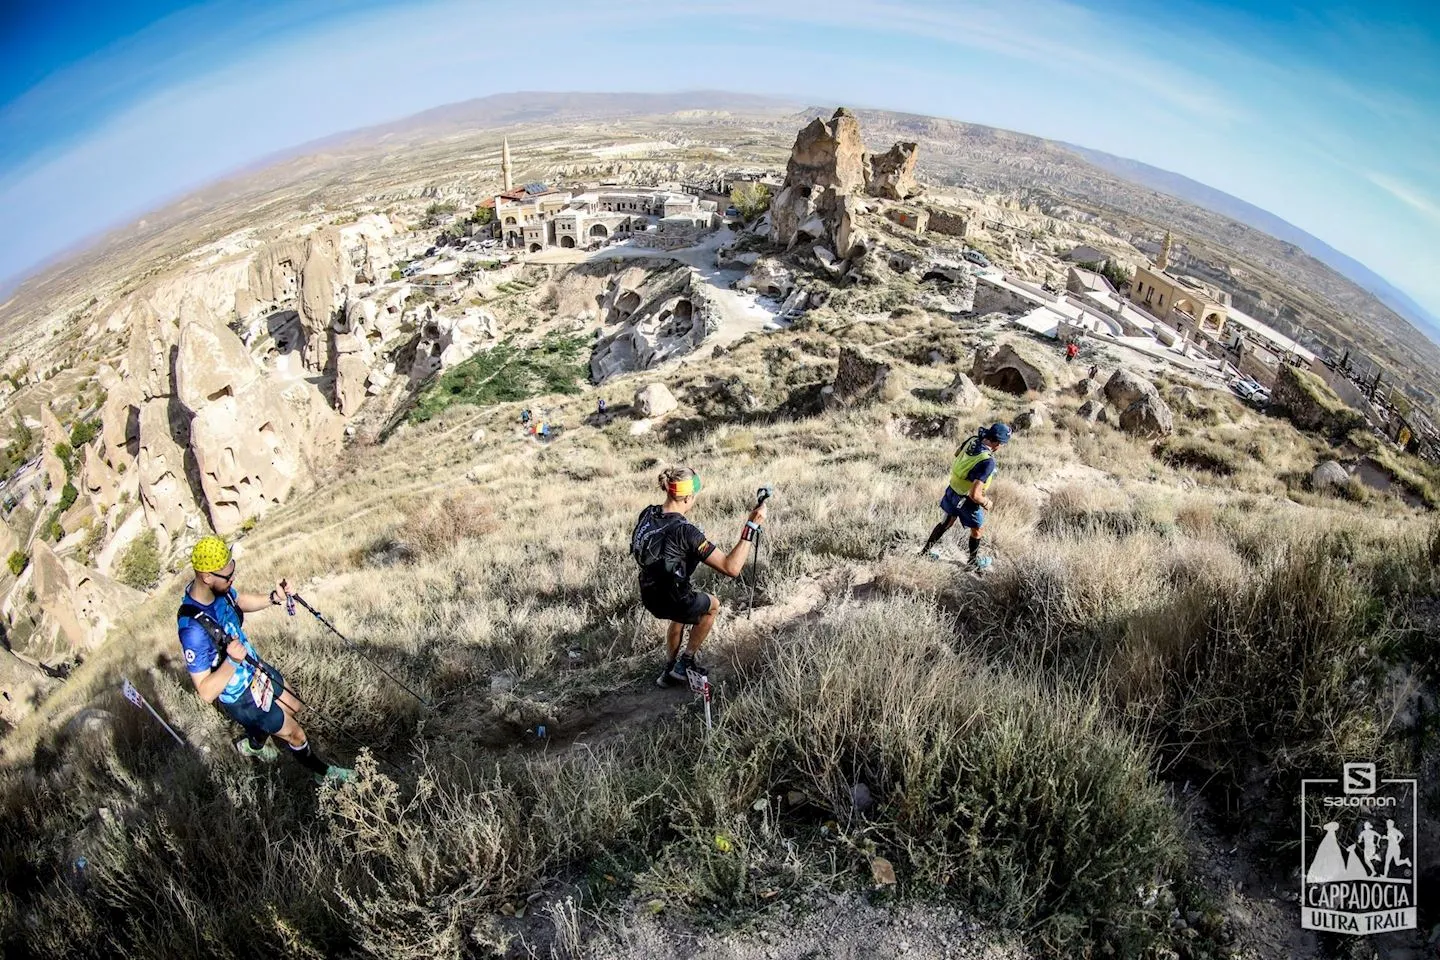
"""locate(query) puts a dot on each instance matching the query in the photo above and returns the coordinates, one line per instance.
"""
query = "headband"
(685, 488)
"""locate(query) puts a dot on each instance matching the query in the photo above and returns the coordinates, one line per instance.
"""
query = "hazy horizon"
(137, 108)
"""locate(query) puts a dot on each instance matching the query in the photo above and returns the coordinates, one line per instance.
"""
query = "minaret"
(1161, 262)
(505, 163)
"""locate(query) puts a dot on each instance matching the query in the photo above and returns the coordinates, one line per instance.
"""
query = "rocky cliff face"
(51, 436)
(78, 601)
(252, 439)
(664, 315)
(827, 176)
(891, 175)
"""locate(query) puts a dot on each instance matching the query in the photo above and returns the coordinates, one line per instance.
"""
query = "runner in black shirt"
(668, 548)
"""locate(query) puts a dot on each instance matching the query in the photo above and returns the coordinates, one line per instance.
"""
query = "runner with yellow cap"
(225, 667)
(668, 548)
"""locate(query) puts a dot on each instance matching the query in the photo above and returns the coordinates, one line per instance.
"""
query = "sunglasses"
(227, 577)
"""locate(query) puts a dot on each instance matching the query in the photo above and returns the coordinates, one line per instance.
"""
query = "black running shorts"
(686, 607)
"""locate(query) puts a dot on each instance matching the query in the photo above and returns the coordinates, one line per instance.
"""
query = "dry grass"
(1138, 617)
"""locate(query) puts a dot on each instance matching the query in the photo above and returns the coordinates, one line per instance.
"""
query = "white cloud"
(1407, 194)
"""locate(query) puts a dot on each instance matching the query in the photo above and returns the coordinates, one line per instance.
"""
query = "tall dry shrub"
(1025, 804)
(1271, 666)
(437, 525)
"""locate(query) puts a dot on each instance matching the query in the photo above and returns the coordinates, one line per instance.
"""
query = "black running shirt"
(668, 548)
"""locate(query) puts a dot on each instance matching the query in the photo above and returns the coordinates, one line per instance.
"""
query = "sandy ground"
(836, 927)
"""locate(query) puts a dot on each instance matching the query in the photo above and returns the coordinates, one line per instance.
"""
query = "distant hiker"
(1094, 371)
(1072, 350)
(525, 416)
(973, 468)
(225, 667)
(544, 432)
(668, 548)
(600, 407)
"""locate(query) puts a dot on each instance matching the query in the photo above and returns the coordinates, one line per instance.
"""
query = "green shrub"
(66, 454)
(18, 562)
(139, 565)
(1198, 453)
(751, 199)
(68, 496)
(83, 433)
(507, 372)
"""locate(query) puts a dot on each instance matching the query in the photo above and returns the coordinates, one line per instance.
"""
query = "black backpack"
(647, 542)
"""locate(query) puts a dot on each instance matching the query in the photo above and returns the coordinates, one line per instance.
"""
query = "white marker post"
(700, 683)
(134, 697)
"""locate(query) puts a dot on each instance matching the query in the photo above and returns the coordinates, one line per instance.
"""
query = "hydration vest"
(965, 462)
(218, 637)
(647, 542)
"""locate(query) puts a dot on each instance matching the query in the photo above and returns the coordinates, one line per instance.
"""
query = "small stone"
(882, 871)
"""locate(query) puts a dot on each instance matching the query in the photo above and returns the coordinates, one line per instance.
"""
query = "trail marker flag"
(135, 697)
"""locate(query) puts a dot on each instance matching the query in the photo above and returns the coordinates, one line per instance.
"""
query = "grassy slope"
(1010, 730)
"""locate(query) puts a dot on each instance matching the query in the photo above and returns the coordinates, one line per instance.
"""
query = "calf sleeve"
(308, 759)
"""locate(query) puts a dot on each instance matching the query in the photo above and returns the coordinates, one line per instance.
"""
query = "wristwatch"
(275, 601)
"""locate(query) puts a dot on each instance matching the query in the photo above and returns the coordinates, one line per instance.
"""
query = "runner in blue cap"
(973, 468)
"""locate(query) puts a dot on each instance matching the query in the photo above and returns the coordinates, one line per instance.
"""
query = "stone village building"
(536, 217)
(1190, 308)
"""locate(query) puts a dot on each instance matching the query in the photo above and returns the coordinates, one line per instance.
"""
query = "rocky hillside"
(1192, 604)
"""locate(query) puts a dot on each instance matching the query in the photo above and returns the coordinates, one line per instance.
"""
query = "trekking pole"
(292, 598)
(761, 496)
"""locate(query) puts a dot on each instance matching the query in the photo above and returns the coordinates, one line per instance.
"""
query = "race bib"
(262, 690)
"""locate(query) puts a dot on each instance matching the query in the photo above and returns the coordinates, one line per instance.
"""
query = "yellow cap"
(209, 555)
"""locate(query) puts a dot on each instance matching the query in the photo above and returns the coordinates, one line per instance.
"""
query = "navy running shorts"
(246, 712)
(970, 514)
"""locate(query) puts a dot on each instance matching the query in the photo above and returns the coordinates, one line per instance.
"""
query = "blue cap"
(1000, 432)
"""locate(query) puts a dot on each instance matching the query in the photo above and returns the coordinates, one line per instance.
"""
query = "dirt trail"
(737, 641)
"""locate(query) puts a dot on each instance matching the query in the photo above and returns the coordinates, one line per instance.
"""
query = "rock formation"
(891, 175)
(1005, 368)
(80, 602)
(52, 434)
(769, 277)
(446, 341)
(655, 400)
(1149, 416)
(859, 379)
(1125, 388)
(962, 393)
(1090, 410)
(828, 172)
(1310, 404)
(1036, 416)
(827, 168)
(165, 491)
(152, 345)
(1327, 475)
(252, 441)
(668, 315)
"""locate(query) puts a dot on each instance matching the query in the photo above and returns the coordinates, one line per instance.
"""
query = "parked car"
(1248, 389)
(976, 257)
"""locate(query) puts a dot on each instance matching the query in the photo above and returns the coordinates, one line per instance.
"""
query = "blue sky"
(1326, 113)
